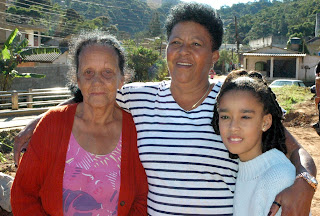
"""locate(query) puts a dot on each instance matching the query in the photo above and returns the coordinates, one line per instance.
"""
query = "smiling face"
(242, 122)
(189, 53)
(99, 75)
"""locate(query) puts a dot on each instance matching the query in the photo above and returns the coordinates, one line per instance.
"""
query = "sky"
(218, 3)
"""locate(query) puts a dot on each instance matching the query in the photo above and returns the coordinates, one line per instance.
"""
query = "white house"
(275, 63)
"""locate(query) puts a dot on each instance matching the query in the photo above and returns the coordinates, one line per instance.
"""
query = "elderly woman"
(83, 158)
(187, 165)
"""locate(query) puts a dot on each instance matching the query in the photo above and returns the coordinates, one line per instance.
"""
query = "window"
(260, 66)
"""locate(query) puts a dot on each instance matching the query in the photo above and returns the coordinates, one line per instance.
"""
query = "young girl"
(248, 118)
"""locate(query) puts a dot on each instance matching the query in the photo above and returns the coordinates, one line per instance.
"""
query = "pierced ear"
(215, 56)
(267, 122)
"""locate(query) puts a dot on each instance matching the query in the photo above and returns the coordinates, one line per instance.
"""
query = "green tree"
(226, 57)
(155, 25)
(142, 60)
(162, 70)
(12, 54)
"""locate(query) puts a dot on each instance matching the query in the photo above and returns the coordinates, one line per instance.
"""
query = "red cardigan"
(37, 188)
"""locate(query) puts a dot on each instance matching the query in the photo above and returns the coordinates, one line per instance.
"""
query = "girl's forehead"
(241, 94)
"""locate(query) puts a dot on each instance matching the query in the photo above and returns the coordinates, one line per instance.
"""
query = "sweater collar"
(254, 168)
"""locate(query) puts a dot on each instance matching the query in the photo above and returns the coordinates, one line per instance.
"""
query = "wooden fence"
(31, 98)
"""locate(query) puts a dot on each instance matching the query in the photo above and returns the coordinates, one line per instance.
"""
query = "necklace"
(194, 105)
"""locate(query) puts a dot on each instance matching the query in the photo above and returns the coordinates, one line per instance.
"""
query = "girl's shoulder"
(280, 174)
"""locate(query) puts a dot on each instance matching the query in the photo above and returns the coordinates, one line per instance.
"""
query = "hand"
(21, 141)
(294, 200)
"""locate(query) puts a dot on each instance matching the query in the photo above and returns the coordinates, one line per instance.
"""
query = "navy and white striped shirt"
(188, 167)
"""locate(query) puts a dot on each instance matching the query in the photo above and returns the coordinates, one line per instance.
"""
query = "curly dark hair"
(274, 137)
(317, 70)
(199, 13)
(83, 40)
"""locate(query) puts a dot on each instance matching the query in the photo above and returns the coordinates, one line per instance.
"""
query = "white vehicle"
(283, 82)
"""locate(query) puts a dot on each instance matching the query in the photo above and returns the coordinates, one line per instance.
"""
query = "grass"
(6, 142)
(289, 95)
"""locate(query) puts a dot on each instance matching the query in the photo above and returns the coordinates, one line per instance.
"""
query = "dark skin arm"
(296, 199)
(21, 141)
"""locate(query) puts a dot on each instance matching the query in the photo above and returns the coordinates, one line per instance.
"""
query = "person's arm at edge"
(296, 200)
(25, 191)
(22, 139)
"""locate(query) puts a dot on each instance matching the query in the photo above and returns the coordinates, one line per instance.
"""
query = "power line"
(30, 33)
(123, 23)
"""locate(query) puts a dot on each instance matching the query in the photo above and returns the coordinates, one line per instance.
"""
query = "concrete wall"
(314, 47)
(56, 76)
(311, 62)
(276, 41)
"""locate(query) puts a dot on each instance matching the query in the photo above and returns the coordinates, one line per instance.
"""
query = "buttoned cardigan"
(37, 188)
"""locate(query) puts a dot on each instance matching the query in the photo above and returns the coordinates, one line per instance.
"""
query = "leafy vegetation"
(13, 53)
(143, 61)
(264, 18)
(6, 142)
(288, 96)
(256, 19)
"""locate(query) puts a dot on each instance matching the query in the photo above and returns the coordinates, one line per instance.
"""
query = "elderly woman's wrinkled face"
(99, 75)
(189, 53)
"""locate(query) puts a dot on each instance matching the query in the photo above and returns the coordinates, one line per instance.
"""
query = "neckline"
(97, 155)
(252, 169)
(214, 86)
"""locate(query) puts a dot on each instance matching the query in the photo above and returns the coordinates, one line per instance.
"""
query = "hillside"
(131, 16)
(264, 18)
(255, 19)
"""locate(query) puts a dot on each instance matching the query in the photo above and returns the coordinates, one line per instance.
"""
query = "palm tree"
(13, 53)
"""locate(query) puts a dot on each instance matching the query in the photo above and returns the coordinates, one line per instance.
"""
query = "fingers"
(18, 148)
(274, 208)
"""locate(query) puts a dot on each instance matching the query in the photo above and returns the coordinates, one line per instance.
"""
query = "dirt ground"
(298, 123)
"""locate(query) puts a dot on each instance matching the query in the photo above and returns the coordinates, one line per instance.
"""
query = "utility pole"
(237, 36)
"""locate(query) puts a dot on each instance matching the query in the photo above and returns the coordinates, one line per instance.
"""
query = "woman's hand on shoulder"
(294, 200)
(22, 139)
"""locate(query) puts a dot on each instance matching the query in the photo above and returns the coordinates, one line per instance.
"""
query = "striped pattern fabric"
(188, 167)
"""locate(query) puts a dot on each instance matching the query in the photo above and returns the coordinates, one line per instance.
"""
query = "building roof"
(44, 58)
(275, 54)
(313, 40)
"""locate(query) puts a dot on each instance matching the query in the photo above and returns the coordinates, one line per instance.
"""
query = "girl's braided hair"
(254, 83)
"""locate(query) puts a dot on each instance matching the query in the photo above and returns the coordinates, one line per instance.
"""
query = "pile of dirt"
(304, 115)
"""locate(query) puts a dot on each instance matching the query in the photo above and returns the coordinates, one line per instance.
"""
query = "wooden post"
(29, 99)
(317, 99)
(14, 100)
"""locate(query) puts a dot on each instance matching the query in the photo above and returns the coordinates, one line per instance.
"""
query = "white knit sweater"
(259, 181)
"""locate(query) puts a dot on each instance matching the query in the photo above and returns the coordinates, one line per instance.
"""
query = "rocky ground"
(298, 123)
